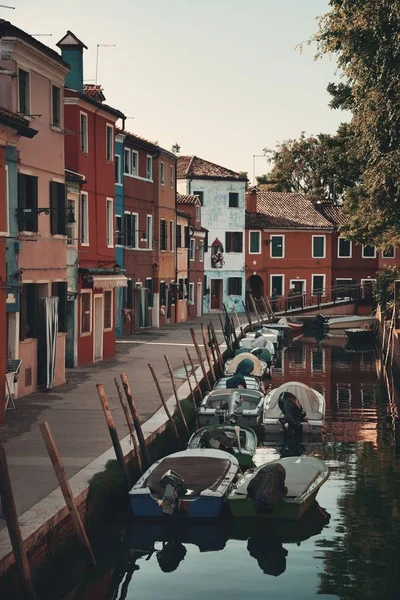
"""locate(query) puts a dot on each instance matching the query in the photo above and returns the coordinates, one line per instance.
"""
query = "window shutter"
(179, 236)
(21, 203)
(62, 212)
(23, 321)
(150, 287)
(228, 241)
(162, 294)
(187, 237)
(206, 242)
(240, 283)
(53, 208)
(35, 203)
(239, 242)
(128, 229)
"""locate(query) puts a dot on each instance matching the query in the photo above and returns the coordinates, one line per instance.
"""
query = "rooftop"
(286, 209)
(334, 213)
(17, 122)
(198, 168)
(94, 91)
(187, 199)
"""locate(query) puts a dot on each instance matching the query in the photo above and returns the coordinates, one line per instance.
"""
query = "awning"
(109, 282)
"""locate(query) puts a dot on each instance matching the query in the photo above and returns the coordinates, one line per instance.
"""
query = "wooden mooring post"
(66, 488)
(246, 310)
(113, 433)
(136, 421)
(171, 374)
(190, 386)
(14, 531)
(193, 369)
(218, 349)
(207, 351)
(130, 426)
(164, 403)
(198, 352)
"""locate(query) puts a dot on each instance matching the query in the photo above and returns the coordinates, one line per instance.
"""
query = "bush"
(384, 286)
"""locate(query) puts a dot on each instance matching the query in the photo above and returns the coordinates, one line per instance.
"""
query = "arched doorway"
(255, 286)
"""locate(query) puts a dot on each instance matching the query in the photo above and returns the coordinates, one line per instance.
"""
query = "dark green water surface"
(346, 547)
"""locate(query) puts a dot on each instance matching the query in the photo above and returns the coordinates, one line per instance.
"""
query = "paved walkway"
(75, 414)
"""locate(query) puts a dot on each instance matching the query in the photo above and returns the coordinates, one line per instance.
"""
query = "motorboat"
(349, 322)
(360, 335)
(288, 323)
(273, 335)
(238, 407)
(259, 366)
(282, 489)
(246, 344)
(192, 483)
(239, 441)
(252, 383)
(311, 401)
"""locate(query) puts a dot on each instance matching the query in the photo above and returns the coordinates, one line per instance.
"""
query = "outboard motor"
(267, 488)
(174, 489)
(293, 413)
(320, 320)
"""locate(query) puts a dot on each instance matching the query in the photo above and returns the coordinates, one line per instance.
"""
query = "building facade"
(222, 196)
(90, 152)
(120, 293)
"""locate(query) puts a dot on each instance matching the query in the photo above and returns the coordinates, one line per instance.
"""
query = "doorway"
(299, 285)
(216, 294)
(199, 299)
(98, 328)
(367, 288)
(256, 286)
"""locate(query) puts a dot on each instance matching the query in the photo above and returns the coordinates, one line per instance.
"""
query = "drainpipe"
(174, 242)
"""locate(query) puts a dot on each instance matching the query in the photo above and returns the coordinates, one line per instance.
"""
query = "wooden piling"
(207, 351)
(164, 403)
(136, 421)
(198, 352)
(190, 387)
(14, 531)
(218, 349)
(254, 307)
(66, 488)
(193, 370)
(214, 354)
(113, 433)
(176, 393)
(238, 322)
(226, 337)
(130, 426)
(235, 339)
(246, 310)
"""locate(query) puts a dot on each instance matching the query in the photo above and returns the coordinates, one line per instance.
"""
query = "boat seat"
(199, 473)
(299, 476)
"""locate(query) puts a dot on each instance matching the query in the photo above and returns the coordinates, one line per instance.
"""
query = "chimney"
(251, 200)
(72, 53)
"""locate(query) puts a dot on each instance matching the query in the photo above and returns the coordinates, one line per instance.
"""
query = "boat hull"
(351, 322)
(204, 507)
(289, 510)
(248, 447)
(360, 336)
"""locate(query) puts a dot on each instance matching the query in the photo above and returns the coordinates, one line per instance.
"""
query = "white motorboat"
(242, 407)
(349, 322)
(259, 366)
(248, 341)
(311, 401)
(273, 335)
(252, 383)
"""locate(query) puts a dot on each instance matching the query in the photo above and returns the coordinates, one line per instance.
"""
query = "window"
(55, 106)
(318, 284)
(7, 228)
(28, 311)
(191, 293)
(201, 251)
(119, 234)
(109, 142)
(131, 222)
(27, 202)
(118, 178)
(86, 312)
(389, 252)
(277, 245)
(318, 246)
(234, 241)
(150, 291)
(171, 236)
(198, 213)
(277, 283)
(317, 360)
(129, 294)
(135, 163)
(163, 293)
(84, 133)
(201, 197)
(149, 232)
(23, 92)
(127, 161)
(59, 290)
(368, 251)
(108, 302)
(84, 218)
(172, 176)
(163, 234)
(233, 200)
(178, 235)
(162, 173)
(149, 167)
(235, 286)
(192, 250)
(255, 242)
(58, 211)
(344, 248)
(187, 237)
(110, 222)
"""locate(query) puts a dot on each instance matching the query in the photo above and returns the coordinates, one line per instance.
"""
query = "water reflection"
(349, 549)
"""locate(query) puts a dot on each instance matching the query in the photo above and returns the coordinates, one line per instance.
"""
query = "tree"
(176, 148)
(365, 37)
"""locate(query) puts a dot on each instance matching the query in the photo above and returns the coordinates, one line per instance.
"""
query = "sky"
(222, 78)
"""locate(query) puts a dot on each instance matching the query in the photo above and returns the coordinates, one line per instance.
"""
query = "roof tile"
(187, 199)
(193, 166)
(288, 209)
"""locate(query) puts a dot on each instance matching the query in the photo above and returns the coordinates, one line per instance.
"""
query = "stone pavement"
(74, 412)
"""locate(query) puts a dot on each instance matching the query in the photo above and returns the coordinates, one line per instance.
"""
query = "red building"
(192, 246)
(288, 244)
(89, 151)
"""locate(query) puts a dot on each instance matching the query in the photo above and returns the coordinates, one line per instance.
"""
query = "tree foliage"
(365, 37)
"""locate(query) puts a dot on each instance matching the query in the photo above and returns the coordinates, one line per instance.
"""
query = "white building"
(222, 195)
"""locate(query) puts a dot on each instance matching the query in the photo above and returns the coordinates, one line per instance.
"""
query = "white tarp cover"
(310, 400)
(258, 365)
(109, 282)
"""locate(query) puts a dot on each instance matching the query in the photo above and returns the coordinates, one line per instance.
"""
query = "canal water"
(347, 546)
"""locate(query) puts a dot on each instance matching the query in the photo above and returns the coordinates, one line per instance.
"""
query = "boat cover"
(301, 472)
(258, 366)
(249, 399)
(308, 398)
(251, 383)
(198, 473)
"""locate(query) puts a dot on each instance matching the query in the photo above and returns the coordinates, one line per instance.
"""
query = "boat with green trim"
(284, 493)
(239, 441)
